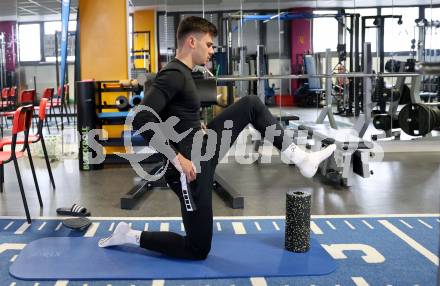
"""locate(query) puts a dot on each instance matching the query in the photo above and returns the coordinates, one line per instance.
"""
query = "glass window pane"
(432, 14)
(50, 28)
(213, 18)
(72, 26)
(29, 42)
(325, 32)
(273, 41)
(363, 11)
(432, 40)
(370, 34)
(167, 36)
(251, 36)
(49, 48)
(404, 33)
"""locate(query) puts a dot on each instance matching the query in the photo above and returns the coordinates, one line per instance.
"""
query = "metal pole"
(260, 72)
(341, 29)
(364, 120)
(351, 87)
(381, 44)
(57, 68)
(357, 97)
(416, 82)
(230, 90)
(327, 110)
(2, 61)
(356, 62)
(351, 44)
(332, 75)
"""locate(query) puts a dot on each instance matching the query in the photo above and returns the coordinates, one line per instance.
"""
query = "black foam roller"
(297, 232)
(87, 120)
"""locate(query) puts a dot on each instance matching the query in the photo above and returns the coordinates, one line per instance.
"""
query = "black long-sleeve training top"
(173, 93)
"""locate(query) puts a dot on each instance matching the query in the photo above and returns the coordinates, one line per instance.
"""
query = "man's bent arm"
(166, 85)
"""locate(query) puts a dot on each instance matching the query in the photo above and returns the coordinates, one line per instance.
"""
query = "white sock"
(123, 234)
(307, 163)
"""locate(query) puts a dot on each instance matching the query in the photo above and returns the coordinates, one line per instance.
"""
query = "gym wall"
(45, 77)
(9, 28)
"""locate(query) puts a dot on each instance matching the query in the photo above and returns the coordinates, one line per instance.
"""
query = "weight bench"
(208, 93)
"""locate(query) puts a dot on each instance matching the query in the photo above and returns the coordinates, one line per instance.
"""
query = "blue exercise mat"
(78, 258)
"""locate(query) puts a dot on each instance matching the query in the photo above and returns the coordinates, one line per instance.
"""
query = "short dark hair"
(194, 24)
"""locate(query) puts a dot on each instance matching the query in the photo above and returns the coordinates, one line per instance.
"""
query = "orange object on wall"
(103, 39)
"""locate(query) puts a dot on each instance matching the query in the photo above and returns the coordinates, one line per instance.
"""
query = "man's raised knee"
(253, 100)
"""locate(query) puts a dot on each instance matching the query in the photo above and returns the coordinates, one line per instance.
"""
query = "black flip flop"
(80, 223)
(74, 210)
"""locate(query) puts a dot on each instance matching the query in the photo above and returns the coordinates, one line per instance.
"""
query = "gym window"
(166, 37)
(404, 32)
(432, 40)
(50, 28)
(29, 40)
(325, 32)
(370, 34)
(37, 41)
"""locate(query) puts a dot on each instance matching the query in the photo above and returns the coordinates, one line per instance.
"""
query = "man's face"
(203, 49)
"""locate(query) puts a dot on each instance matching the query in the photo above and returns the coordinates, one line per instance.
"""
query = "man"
(174, 93)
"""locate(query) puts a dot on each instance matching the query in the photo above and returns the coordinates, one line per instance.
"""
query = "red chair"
(48, 94)
(22, 121)
(26, 97)
(35, 138)
(6, 107)
(13, 96)
(63, 103)
(5, 97)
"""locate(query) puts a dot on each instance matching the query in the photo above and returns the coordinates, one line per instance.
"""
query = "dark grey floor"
(402, 183)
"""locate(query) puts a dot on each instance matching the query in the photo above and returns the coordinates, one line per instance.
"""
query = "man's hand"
(185, 166)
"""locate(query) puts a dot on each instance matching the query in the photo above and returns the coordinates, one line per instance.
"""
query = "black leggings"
(198, 224)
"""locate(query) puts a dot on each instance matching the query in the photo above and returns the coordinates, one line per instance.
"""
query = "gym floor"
(402, 183)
